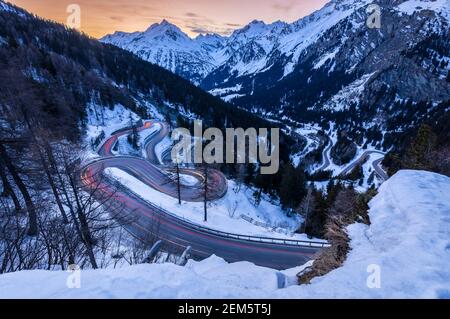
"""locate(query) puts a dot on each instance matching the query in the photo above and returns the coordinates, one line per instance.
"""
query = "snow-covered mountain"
(328, 61)
(373, 84)
(249, 50)
(166, 45)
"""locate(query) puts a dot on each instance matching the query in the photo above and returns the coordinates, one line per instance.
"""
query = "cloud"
(206, 29)
(200, 24)
(234, 25)
(284, 5)
(120, 7)
(117, 18)
(199, 30)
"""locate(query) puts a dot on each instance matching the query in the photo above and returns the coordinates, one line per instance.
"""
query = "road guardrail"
(269, 240)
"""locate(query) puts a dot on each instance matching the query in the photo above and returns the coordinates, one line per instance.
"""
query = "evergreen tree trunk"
(52, 181)
(7, 188)
(32, 215)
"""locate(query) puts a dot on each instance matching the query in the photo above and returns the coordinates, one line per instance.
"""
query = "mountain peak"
(163, 25)
(214, 37)
(167, 30)
(257, 22)
(165, 22)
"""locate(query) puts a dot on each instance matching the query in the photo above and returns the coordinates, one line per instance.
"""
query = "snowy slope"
(248, 50)
(408, 241)
(351, 93)
(6, 7)
(307, 30)
(412, 6)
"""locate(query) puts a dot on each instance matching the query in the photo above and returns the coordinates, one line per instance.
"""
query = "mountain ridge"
(252, 49)
(330, 67)
(257, 35)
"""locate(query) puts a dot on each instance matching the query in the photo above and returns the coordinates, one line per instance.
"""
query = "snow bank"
(212, 278)
(124, 147)
(408, 241)
(224, 214)
(407, 245)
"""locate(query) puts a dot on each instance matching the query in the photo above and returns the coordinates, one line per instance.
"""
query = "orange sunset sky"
(100, 17)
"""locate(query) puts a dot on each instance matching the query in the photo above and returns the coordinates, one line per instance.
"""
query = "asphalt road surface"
(145, 220)
(362, 159)
(376, 164)
(326, 160)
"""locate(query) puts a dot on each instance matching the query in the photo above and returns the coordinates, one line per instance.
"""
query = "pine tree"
(133, 138)
(292, 188)
(315, 225)
(356, 173)
(418, 152)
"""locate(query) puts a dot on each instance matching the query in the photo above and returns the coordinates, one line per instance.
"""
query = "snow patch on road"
(188, 180)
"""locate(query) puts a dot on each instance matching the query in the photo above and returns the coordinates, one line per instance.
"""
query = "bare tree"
(91, 202)
(178, 182)
(31, 209)
(345, 205)
(18, 251)
(7, 188)
(141, 244)
(42, 147)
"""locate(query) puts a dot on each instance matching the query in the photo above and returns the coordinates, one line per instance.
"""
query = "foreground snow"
(408, 242)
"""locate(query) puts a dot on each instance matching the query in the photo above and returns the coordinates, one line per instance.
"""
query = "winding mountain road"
(148, 220)
(361, 160)
(326, 159)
